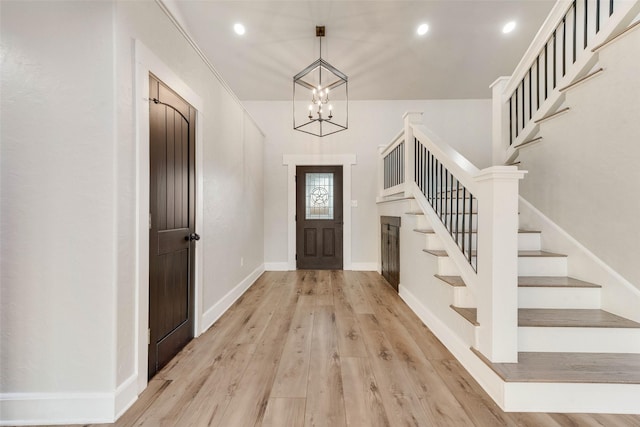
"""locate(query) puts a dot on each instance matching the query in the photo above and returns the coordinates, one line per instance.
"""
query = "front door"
(319, 218)
(171, 223)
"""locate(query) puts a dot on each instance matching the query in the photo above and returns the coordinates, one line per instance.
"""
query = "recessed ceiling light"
(508, 27)
(239, 29)
(422, 29)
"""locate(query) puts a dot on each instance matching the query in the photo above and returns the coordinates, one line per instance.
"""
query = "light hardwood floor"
(325, 348)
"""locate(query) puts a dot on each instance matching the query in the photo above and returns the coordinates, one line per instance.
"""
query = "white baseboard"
(364, 266)
(126, 395)
(18, 409)
(276, 266)
(212, 314)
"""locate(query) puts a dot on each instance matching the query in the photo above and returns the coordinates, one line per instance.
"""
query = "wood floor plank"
(430, 345)
(480, 408)
(609, 420)
(357, 298)
(251, 396)
(439, 403)
(577, 420)
(529, 419)
(198, 386)
(402, 406)
(362, 399)
(403, 375)
(324, 291)
(350, 343)
(308, 281)
(293, 370)
(284, 412)
(325, 407)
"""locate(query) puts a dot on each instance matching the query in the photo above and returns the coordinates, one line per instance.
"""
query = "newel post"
(500, 121)
(498, 262)
(410, 118)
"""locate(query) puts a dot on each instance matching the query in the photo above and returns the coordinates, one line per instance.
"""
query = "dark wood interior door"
(319, 217)
(390, 247)
(171, 224)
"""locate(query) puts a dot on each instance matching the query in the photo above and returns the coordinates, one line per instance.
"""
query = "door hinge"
(296, 257)
(295, 178)
(296, 217)
(149, 336)
(149, 220)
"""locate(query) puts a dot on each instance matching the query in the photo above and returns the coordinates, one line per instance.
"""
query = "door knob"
(191, 237)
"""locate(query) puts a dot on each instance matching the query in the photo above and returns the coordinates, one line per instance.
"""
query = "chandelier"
(320, 97)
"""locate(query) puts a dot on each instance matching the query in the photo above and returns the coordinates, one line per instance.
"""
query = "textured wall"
(58, 192)
(584, 175)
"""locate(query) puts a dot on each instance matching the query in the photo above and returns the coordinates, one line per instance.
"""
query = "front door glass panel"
(319, 196)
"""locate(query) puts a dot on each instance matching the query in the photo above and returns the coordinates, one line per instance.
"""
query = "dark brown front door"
(171, 223)
(319, 218)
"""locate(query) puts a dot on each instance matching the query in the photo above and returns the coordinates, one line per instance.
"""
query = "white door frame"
(294, 160)
(147, 62)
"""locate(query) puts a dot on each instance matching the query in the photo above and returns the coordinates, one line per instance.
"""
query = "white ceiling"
(373, 42)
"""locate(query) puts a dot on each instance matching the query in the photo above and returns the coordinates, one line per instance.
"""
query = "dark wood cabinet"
(390, 246)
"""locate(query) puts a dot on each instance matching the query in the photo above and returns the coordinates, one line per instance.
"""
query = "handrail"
(451, 158)
(394, 142)
(475, 214)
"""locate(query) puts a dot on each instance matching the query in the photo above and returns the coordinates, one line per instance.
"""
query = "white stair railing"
(563, 52)
(447, 187)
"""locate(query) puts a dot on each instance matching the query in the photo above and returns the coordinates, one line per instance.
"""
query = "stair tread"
(543, 254)
(553, 282)
(559, 318)
(532, 281)
(572, 318)
(424, 231)
(414, 213)
(452, 280)
(522, 254)
(608, 368)
(470, 314)
(436, 252)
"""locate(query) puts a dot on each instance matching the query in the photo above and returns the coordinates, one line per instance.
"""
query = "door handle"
(191, 237)
(339, 223)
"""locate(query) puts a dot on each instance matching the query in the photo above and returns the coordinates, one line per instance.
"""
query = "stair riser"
(462, 297)
(446, 267)
(579, 340)
(542, 266)
(573, 397)
(529, 242)
(527, 266)
(455, 208)
(526, 241)
(559, 298)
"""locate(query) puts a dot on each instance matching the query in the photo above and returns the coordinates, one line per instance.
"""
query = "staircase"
(485, 270)
(567, 345)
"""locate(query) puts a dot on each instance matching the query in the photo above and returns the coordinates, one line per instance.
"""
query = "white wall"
(58, 194)
(464, 124)
(584, 175)
(68, 197)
